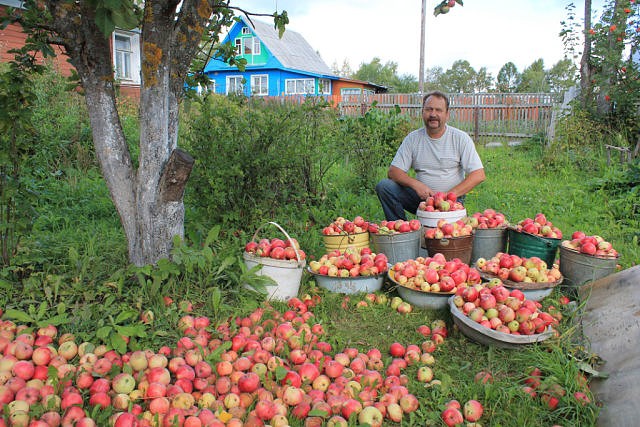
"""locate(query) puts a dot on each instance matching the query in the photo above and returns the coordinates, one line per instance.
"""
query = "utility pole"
(422, 31)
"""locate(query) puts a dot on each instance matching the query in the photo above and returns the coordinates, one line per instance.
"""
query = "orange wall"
(12, 37)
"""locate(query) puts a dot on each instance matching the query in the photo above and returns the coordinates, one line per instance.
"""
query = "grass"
(78, 228)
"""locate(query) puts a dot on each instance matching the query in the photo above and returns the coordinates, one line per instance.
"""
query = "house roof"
(292, 50)
(11, 3)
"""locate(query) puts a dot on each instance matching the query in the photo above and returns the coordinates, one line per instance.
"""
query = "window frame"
(241, 86)
(123, 58)
(306, 83)
(264, 90)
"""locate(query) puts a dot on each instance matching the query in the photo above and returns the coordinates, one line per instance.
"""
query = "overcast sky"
(486, 33)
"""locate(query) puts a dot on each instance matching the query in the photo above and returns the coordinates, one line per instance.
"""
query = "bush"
(254, 160)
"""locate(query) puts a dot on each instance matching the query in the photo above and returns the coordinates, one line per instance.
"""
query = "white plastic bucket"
(286, 273)
(430, 219)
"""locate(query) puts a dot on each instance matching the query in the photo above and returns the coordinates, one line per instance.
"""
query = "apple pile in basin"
(493, 314)
(427, 282)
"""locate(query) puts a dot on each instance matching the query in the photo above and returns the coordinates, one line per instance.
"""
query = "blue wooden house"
(276, 66)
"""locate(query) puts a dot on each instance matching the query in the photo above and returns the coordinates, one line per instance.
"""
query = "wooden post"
(476, 123)
(422, 35)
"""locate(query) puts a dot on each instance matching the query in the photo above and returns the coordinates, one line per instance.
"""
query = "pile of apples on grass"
(266, 368)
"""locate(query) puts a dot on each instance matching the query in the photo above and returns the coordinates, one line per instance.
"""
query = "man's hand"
(423, 190)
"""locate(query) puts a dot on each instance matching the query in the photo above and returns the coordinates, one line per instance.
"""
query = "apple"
(472, 410)
(425, 374)
(371, 415)
(452, 417)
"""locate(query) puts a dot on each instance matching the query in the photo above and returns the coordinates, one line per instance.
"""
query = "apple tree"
(148, 196)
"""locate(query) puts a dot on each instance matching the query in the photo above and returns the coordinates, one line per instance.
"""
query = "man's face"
(435, 114)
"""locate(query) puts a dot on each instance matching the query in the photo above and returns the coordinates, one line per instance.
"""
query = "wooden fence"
(482, 115)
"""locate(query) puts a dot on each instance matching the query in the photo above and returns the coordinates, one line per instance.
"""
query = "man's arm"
(403, 178)
(471, 180)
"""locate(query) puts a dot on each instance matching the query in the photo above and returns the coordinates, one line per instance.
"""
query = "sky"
(486, 33)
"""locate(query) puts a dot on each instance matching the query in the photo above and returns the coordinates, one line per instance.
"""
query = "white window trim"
(266, 77)
(228, 84)
(134, 58)
(256, 46)
(296, 91)
(324, 90)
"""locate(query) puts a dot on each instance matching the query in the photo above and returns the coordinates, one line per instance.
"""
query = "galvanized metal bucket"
(488, 242)
(579, 269)
(398, 247)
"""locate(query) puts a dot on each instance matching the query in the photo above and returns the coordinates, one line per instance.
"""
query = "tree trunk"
(149, 200)
(586, 68)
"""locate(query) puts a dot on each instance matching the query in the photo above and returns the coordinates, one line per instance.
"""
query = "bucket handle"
(350, 237)
(255, 235)
(444, 242)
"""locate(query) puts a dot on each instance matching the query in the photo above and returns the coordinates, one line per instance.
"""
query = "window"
(246, 30)
(259, 85)
(248, 45)
(299, 87)
(256, 46)
(238, 44)
(235, 84)
(211, 86)
(324, 86)
(123, 51)
(350, 91)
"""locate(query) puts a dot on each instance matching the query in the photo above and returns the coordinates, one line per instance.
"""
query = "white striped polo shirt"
(440, 163)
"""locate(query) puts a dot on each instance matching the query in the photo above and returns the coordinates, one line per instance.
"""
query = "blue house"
(276, 66)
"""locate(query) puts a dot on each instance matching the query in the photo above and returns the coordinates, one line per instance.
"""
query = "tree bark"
(149, 200)
(586, 68)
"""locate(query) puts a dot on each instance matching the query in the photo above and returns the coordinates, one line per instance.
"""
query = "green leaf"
(103, 332)
(118, 343)
(212, 235)
(281, 372)
(126, 315)
(20, 316)
(104, 21)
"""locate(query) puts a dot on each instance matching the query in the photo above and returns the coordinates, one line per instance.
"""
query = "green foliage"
(255, 159)
(16, 143)
(578, 137)
(370, 141)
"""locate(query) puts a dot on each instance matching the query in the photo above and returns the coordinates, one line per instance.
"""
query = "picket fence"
(482, 115)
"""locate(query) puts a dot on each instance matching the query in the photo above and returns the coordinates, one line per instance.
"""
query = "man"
(444, 159)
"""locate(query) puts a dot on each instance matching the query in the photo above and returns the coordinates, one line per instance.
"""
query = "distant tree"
(508, 78)
(483, 81)
(433, 78)
(534, 78)
(386, 75)
(562, 75)
(460, 78)
(342, 71)
(407, 83)
(378, 73)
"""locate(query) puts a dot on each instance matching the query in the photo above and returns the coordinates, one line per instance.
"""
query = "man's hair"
(437, 94)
